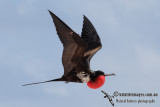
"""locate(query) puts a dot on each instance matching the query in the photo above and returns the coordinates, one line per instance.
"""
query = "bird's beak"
(110, 74)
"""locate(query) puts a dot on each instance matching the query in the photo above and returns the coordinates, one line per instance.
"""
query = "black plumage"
(77, 52)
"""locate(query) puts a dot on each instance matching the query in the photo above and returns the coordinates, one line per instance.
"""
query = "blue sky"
(30, 51)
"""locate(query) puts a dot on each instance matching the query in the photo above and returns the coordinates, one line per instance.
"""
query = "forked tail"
(59, 79)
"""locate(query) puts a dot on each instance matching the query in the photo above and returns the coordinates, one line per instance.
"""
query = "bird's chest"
(84, 77)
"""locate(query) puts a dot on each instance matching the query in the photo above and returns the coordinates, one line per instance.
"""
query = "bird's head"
(97, 79)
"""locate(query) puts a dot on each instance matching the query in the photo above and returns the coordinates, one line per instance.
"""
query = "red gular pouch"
(100, 80)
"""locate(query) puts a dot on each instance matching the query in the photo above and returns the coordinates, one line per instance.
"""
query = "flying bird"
(77, 53)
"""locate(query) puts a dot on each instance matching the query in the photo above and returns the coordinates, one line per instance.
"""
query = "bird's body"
(78, 51)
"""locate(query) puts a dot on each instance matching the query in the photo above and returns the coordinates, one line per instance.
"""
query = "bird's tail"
(58, 79)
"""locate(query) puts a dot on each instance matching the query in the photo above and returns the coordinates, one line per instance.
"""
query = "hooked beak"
(110, 74)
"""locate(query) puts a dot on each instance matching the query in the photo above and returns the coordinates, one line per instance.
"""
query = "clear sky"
(30, 51)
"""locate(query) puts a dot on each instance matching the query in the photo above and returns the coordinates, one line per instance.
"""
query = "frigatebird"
(77, 53)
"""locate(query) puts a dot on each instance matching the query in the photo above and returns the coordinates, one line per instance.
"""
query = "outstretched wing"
(90, 35)
(74, 45)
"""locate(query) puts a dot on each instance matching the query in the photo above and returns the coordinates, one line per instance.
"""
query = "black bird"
(78, 51)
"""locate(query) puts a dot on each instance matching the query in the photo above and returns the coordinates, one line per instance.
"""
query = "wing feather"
(90, 35)
(74, 45)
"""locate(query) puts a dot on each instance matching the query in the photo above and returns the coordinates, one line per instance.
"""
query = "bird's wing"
(90, 35)
(74, 45)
